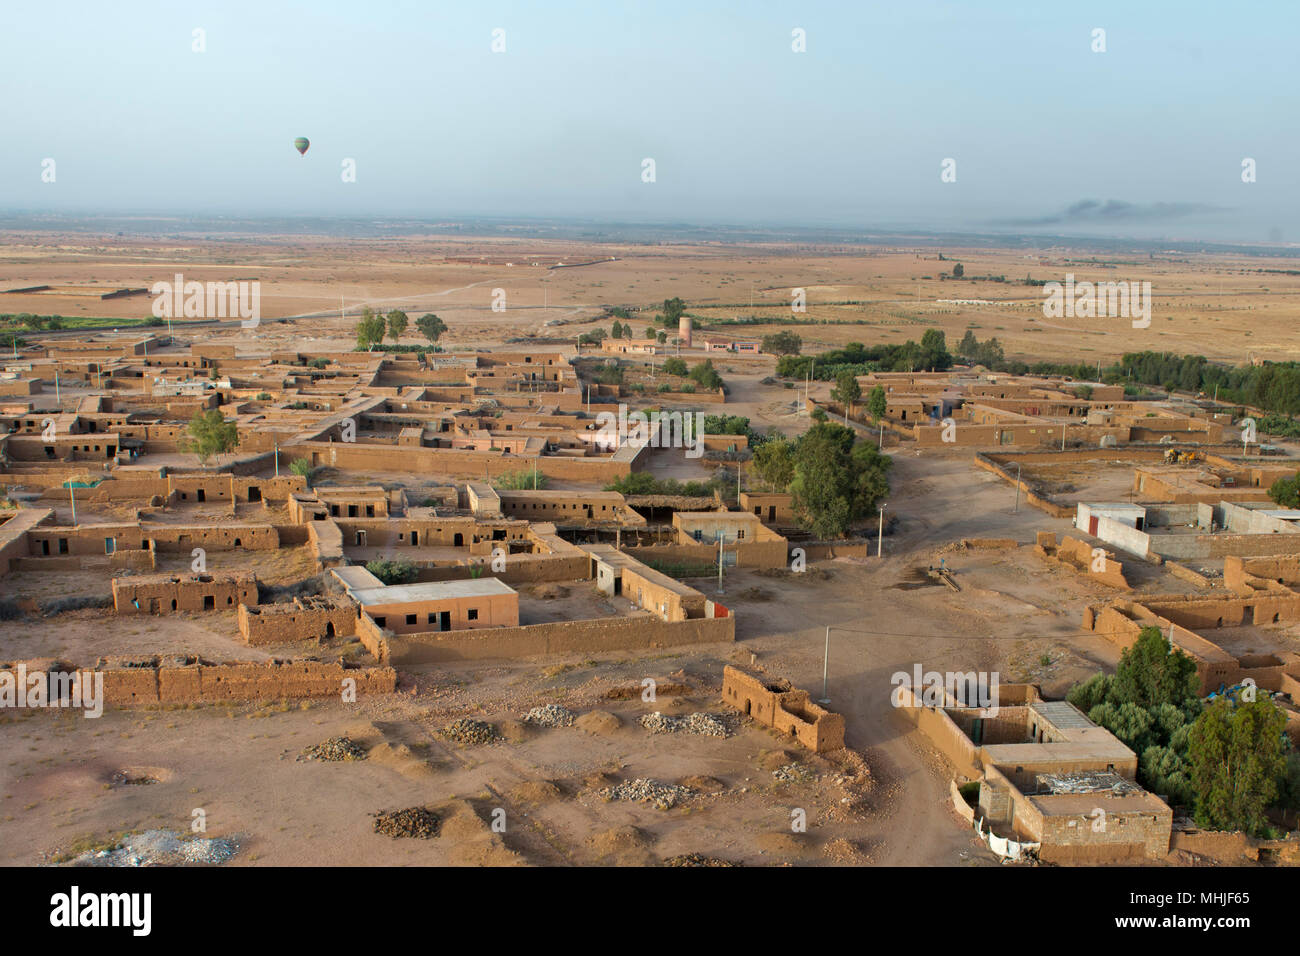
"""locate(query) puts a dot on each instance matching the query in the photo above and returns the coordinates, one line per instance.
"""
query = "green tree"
(397, 324)
(675, 366)
(968, 348)
(673, 309)
(774, 463)
(661, 337)
(877, 404)
(837, 480)
(846, 390)
(934, 351)
(1286, 492)
(370, 329)
(430, 326)
(706, 375)
(1237, 764)
(782, 343)
(958, 270)
(1151, 673)
(616, 330)
(210, 434)
(651, 332)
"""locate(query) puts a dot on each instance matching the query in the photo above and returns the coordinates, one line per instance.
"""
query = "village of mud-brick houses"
(92, 440)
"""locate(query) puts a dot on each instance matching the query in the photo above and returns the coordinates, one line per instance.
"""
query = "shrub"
(392, 572)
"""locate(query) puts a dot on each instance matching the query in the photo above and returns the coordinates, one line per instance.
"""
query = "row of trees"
(1228, 762)
(374, 326)
(931, 355)
(835, 480)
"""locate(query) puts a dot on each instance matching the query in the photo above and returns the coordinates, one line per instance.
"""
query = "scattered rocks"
(664, 796)
(336, 748)
(550, 715)
(126, 778)
(695, 859)
(160, 848)
(412, 822)
(794, 773)
(705, 725)
(467, 730)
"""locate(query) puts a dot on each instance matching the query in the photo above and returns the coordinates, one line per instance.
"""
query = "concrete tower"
(684, 331)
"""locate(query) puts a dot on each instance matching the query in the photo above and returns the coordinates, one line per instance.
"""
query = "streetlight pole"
(880, 536)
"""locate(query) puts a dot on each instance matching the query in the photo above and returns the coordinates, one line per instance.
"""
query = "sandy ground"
(238, 763)
(1224, 307)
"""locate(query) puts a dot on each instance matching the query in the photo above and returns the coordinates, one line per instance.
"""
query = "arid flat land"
(1226, 307)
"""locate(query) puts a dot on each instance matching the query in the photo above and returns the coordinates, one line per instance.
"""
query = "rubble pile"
(160, 848)
(336, 748)
(664, 796)
(550, 715)
(412, 822)
(467, 730)
(695, 859)
(705, 725)
(794, 773)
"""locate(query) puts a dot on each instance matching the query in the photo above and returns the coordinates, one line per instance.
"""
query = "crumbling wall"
(785, 709)
(166, 594)
(155, 681)
(287, 623)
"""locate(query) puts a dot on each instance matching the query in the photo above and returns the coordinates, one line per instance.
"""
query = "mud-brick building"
(774, 703)
(433, 605)
(171, 593)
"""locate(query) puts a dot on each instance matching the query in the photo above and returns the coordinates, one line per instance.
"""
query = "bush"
(392, 572)
(521, 480)
(675, 366)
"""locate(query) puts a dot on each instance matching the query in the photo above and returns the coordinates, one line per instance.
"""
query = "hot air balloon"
(301, 144)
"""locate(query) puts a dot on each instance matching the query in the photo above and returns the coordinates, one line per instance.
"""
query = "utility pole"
(880, 538)
(881, 445)
(1016, 510)
(721, 537)
(826, 663)
(72, 496)
(56, 387)
(1063, 428)
(277, 459)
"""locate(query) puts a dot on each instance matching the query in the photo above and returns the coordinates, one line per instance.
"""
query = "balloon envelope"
(301, 144)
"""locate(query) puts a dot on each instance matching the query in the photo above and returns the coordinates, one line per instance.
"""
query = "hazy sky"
(742, 129)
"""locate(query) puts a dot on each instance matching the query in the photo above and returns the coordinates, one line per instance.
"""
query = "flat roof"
(432, 591)
(1061, 714)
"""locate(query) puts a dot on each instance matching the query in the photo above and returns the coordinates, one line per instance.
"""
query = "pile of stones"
(695, 859)
(705, 725)
(794, 773)
(412, 822)
(664, 796)
(467, 730)
(550, 715)
(336, 748)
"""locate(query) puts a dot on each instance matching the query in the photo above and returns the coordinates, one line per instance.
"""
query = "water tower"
(684, 331)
